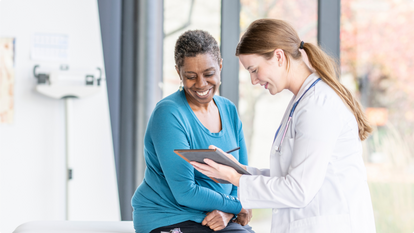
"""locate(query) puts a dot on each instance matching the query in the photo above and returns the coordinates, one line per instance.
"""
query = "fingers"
(208, 218)
(212, 220)
(242, 220)
(229, 156)
(219, 149)
(217, 220)
(216, 225)
(207, 166)
(215, 147)
(212, 147)
(200, 166)
(218, 228)
(204, 222)
(244, 217)
(212, 164)
(205, 169)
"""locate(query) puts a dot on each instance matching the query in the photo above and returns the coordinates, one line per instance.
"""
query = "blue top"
(172, 190)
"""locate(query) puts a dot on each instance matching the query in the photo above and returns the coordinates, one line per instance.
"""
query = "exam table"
(76, 227)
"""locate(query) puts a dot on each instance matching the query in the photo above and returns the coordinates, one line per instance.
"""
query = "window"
(377, 63)
(192, 15)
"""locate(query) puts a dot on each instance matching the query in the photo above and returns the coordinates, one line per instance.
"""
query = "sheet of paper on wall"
(6, 80)
(50, 47)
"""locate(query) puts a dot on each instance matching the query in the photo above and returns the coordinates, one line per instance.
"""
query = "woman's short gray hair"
(194, 42)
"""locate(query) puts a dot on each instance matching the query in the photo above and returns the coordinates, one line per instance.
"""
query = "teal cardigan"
(172, 190)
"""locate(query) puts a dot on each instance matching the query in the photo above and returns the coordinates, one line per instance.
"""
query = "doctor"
(317, 179)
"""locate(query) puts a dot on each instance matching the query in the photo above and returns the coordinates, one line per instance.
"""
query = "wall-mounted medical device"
(67, 84)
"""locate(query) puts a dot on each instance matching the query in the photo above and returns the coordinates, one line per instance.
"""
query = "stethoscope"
(279, 148)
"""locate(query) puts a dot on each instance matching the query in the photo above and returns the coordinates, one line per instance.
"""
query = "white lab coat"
(318, 183)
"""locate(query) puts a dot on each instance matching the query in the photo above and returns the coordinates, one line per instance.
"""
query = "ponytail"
(327, 69)
(265, 35)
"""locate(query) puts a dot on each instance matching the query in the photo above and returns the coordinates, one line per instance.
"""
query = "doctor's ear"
(279, 56)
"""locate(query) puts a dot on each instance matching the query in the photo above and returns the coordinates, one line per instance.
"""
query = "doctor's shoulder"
(324, 100)
(323, 95)
(333, 102)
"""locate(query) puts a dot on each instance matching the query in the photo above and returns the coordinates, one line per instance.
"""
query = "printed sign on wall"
(50, 47)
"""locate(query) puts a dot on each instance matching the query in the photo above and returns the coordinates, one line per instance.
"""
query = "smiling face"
(201, 78)
(271, 74)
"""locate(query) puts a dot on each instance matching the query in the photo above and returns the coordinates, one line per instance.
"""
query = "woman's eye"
(254, 71)
(209, 75)
(190, 78)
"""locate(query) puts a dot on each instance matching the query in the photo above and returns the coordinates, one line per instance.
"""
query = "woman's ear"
(178, 71)
(221, 64)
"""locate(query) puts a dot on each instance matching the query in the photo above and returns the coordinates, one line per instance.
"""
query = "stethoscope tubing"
(279, 148)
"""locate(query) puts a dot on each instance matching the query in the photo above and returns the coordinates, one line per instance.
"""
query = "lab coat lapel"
(280, 162)
(276, 161)
(308, 82)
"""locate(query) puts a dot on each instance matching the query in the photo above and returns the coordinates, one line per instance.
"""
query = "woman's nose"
(201, 82)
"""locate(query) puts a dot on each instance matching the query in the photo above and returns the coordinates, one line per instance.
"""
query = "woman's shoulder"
(172, 101)
(228, 110)
(225, 103)
(170, 105)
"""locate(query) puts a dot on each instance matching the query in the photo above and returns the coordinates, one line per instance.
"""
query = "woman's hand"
(217, 220)
(244, 217)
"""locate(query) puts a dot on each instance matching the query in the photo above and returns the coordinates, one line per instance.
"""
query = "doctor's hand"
(244, 217)
(215, 170)
(228, 155)
(217, 220)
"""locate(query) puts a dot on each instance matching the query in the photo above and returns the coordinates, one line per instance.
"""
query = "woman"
(317, 179)
(173, 195)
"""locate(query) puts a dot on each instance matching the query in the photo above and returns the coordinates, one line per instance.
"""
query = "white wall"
(32, 149)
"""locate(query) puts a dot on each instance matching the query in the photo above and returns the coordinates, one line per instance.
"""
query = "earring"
(220, 83)
(181, 86)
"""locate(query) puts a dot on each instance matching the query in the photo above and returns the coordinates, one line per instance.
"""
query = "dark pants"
(194, 227)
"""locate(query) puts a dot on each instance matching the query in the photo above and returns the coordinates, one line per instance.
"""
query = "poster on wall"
(50, 47)
(6, 80)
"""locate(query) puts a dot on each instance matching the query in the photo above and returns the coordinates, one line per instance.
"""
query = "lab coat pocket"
(286, 155)
(321, 224)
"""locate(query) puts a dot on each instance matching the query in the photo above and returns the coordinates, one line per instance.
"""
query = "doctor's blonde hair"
(265, 35)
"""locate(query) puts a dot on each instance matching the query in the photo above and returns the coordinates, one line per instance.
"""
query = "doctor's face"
(268, 73)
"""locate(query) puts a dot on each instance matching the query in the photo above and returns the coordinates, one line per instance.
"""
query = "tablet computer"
(198, 155)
